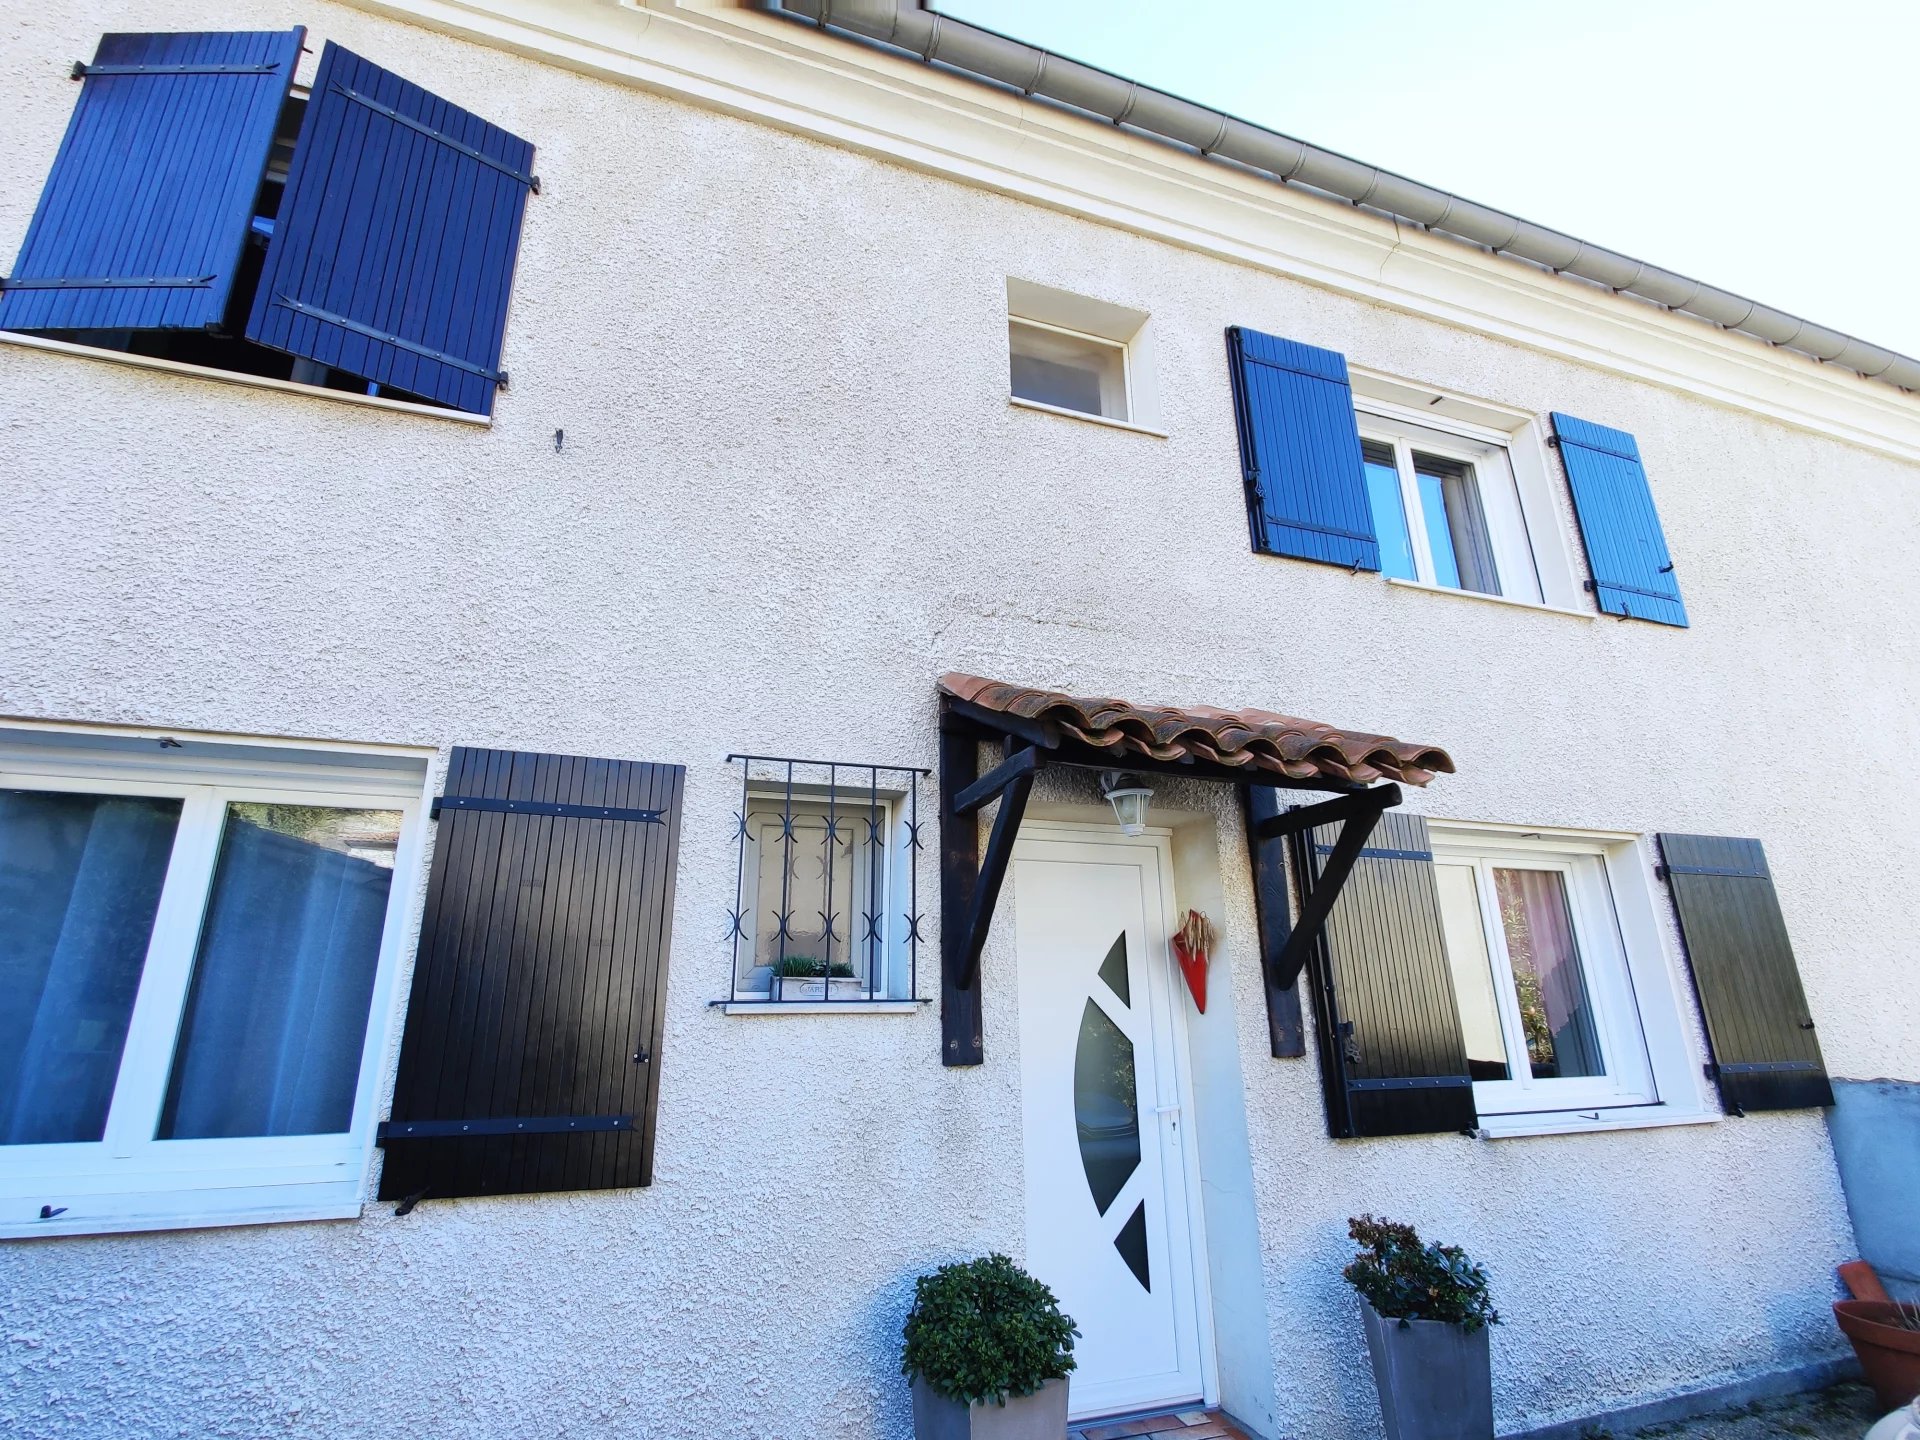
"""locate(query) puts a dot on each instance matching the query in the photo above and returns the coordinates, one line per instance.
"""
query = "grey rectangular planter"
(1039, 1416)
(1435, 1380)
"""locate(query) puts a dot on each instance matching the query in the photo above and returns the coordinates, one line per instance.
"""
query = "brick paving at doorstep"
(1187, 1424)
(1842, 1413)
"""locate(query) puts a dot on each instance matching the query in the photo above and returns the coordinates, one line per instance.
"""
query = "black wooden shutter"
(1392, 1057)
(1626, 548)
(143, 219)
(1765, 1055)
(531, 1059)
(1300, 451)
(393, 252)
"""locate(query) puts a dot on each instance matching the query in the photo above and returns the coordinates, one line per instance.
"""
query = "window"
(1068, 371)
(194, 214)
(194, 941)
(825, 903)
(1446, 510)
(1547, 1000)
(1076, 356)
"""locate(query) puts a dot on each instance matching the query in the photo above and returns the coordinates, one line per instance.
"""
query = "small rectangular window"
(1389, 510)
(1067, 370)
(1456, 524)
(825, 900)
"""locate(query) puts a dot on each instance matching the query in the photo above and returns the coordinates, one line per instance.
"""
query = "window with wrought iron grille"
(826, 901)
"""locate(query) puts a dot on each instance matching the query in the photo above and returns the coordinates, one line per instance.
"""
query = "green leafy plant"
(984, 1330)
(1405, 1280)
(810, 967)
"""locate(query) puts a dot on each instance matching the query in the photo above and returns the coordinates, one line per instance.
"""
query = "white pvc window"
(1446, 510)
(1067, 370)
(193, 953)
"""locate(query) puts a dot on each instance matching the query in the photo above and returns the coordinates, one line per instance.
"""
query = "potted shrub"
(1427, 1312)
(988, 1351)
(807, 977)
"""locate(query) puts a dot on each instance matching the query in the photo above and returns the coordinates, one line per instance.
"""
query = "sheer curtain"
(276, 1016)
(1562, 1039)
(80, 879)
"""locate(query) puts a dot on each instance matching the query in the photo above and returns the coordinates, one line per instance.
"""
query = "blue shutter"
(1626, 550)
(1300, 451)
(144, 217)
(392, 255)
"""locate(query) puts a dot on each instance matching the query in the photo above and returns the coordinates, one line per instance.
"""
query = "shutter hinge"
(533, 183)
(1587, 585)
(1660, 873)
(1553, 442)
(1711, 1071)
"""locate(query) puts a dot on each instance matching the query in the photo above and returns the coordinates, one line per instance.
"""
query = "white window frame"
(1128, 330)
(1634, 983)
(892, 989)
(1508, 533)
(128, 1180)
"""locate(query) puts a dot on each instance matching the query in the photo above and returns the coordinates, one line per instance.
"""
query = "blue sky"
(1765, 147)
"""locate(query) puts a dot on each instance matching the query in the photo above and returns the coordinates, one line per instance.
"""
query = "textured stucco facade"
(791, 494)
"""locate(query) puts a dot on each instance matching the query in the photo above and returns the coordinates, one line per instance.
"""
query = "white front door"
(1112, 1193)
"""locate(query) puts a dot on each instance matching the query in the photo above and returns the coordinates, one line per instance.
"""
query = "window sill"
(234, 377)
(1111, 424)
(1490, 599)
(821, 1007)
(1533, 1123)
(129, 1214)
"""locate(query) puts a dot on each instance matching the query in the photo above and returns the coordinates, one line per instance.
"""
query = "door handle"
(1166, 1109)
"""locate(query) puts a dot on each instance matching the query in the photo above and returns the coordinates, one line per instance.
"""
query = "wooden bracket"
(1360, 812)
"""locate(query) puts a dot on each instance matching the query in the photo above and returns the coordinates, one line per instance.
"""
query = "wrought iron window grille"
(826, 901)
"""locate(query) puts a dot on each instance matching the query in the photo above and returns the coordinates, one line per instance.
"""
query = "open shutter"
(1626, 549)
(144, 217)
(393, 252)
(1392, 1057)
(1300, 451)
(531, 1060)
(1765, 1056)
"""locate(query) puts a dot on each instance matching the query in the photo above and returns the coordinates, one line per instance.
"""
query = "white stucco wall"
(792, 493)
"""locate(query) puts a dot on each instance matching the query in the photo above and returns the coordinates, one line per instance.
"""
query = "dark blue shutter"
(144, 217)
(531, 1058)
(1626, 549)
(392, 255)
(1765, 1054)
(1393, 1060)
(1300, 451)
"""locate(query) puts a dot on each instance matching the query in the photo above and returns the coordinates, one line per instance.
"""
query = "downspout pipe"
(941, 40)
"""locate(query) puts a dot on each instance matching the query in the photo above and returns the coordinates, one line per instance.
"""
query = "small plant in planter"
(988, 1351)
(808, 977)
(1427, 1312)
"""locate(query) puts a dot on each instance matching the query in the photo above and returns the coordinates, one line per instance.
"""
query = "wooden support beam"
(1273, 921)
(1363, 812)
(1020, 763)
(960, 1028)
(993, 871)
(1043, 733)
(1277, 824)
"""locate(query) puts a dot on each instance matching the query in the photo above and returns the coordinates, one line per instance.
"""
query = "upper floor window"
(1074, 355)
(194, 941)
(200, 210)
(1446, 510)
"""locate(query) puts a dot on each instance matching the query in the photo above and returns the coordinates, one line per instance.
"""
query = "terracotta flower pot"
(1889, 1353)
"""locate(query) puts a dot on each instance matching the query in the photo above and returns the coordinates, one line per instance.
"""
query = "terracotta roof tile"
(1257, 739)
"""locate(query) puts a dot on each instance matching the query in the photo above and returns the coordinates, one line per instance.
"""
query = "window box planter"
(813, 987)
(1435, 1379)
(1039, 1416)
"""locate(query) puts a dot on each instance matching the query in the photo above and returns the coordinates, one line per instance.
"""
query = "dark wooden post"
(960, 1027)
(1273, 911)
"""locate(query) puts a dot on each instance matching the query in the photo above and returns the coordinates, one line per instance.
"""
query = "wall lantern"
(1128, 795)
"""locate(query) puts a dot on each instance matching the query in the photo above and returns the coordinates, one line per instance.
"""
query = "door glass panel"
(1555, 1010)
(1131, 1242)
(1456, 525)
(1113, 970)
(276, 1016)
(80, 879)
(1467, 957)
(1106, 1109)
(1389, 511)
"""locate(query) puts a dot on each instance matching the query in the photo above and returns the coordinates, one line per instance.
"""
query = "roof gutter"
(939, 39)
